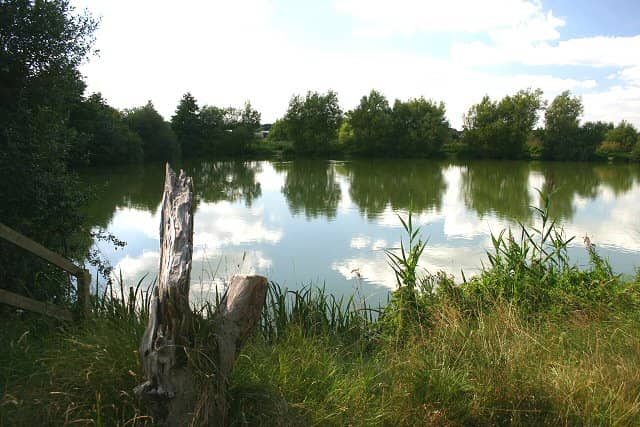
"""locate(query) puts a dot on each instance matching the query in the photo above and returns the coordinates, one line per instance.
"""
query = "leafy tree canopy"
(420, 126)
(312, 121)
(562, 127)
(42, 43)
(103, 136)
(501, 129)
(372, 124)
(159, 142)
(624, 134)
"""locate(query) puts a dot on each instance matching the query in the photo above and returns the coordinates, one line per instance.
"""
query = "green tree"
(562, 127)
(278, 131)
(420, 126)
(591, 136)
(372, 125)
(104, 138)
(187, 126)
(345, 133)
(212, 120)
(250, 118)
(625, 134)
(479, 125)
(501, 129)
(312, 121)
(42, 44)
(158, 140)
(635, 154)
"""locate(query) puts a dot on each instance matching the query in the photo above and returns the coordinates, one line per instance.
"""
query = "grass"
(531, 340)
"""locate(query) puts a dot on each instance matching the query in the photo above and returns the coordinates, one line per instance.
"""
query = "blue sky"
(456, 51)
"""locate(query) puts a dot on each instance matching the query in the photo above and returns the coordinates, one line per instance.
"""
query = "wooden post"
(84, 293)
(83, 276)
(171, 386)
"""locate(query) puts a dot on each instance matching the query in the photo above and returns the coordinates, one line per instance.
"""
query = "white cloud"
(596, 51)
(500, 18)
(229, 52)
(613, 104)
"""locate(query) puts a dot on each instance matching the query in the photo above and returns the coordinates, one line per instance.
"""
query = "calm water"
(316, 221)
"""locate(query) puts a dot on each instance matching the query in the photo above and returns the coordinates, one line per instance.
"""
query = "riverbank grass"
(531, 340)
(498, 368)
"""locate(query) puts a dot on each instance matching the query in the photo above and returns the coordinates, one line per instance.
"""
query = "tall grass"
(531, 340)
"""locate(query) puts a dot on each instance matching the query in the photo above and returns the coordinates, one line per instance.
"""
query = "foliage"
(501, 129)
(419, 126)
(610, 148)
(591, 136)
(562, 127)
(321, 360)
(42, 46)
(625, 134)
(278, 131)
(158, 140)
(413, 295)
(104, 138)
(249, 118)
(312, 121)
(345, 133)
(635, 154)
(186, 125)
(211, 131)
(529, 341)
(371, 125)
(534, 146)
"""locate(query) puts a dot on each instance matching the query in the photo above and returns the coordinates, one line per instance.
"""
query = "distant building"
(261, 134)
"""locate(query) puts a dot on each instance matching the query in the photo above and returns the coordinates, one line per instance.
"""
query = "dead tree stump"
(172, 388)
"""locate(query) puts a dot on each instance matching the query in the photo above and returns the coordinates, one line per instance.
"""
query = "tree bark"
(172, 390)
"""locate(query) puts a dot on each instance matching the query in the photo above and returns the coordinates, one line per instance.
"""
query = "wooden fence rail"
(83, 276)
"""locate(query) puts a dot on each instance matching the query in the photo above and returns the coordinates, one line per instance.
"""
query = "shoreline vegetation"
(531, 340)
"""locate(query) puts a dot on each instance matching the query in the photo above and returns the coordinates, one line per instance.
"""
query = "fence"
(83, 279)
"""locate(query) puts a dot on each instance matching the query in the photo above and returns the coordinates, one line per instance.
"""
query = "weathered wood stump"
(173, 389)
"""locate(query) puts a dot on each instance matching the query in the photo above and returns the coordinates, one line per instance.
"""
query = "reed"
(531, 340)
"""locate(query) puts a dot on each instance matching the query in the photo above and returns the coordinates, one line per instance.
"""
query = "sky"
(455, 51)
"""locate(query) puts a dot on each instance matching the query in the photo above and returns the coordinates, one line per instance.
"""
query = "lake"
(327, 223)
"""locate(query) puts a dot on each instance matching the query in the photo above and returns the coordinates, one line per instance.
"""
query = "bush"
(635, 154)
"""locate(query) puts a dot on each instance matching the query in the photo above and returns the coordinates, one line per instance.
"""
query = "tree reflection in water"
(500, 188)
(311, 187)
(401, 184)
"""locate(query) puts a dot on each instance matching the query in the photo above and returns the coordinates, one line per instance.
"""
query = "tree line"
(105, 136)
(500, 129)
(49, 127)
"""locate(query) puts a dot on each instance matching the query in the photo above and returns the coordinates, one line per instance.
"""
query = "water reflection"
(567, 183)
(225, 180)
(400, 184)
(310, 187)
(619, 178)
(498, 188)
(328, 222)
(135, 187)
